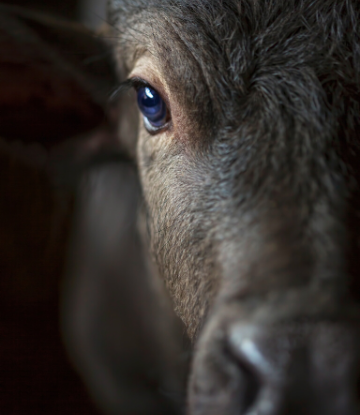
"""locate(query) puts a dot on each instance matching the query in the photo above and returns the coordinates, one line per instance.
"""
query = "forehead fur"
(220, 52)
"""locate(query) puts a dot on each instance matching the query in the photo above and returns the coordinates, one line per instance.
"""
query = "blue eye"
(152, 107)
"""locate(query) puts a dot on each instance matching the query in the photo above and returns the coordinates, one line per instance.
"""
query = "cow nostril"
(251, 386)
(249, 380)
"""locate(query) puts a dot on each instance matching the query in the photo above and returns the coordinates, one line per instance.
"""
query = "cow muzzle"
(302, 366)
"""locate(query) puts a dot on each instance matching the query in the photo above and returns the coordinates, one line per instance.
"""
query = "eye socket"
(153, 108)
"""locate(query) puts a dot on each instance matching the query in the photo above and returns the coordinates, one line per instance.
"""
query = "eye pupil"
(152, 106)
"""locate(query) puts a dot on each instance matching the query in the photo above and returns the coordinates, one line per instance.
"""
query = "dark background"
(36, 376)
(65, 8)
(89, 12)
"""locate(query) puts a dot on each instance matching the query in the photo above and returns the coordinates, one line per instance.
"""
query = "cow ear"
(118, 323)
(55, 81)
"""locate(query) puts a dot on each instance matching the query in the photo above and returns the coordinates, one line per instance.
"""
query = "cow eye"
(153, 108)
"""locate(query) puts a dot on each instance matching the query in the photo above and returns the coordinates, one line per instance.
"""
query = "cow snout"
(294, 368)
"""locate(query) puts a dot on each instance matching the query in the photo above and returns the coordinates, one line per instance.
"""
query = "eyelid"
(124, 86)
(138, 83)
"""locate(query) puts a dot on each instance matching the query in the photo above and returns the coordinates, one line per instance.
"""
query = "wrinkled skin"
(251, 194)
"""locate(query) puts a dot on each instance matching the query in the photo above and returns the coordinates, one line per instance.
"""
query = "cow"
(214, 266)
(246, 147)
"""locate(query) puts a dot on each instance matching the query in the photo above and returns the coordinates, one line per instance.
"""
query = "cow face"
(247, 149)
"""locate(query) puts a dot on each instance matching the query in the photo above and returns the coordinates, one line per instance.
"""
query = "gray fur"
(252, 210)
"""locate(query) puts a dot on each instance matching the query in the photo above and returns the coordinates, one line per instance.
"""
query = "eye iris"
(152, 106)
